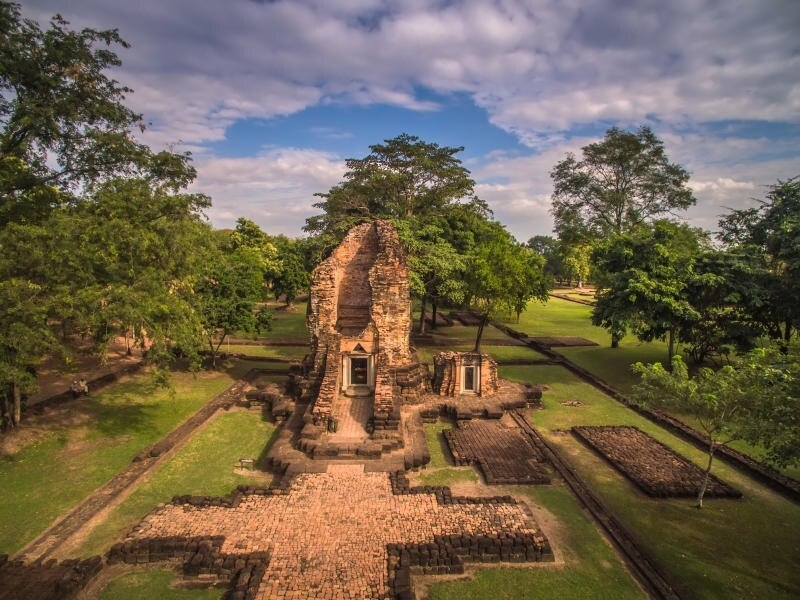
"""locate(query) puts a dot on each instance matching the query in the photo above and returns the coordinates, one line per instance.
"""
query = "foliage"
(755, 399)
(292, 276)
(226, 296)
(643, 282)
(619, 184)
(94, 230)
(503, 275)
(427, 193)
(771, 231)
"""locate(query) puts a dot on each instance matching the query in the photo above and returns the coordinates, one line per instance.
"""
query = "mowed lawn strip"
(498, 353)
(290, 352)
(591, 568)
(204, 466)
(154, 584)
(99, 437)
(441, 471)
(745, 548)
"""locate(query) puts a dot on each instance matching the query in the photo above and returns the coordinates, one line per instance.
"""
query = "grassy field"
(745, 548)
(203, 467)
(563, 318)
(498, 353)
(61, 458)
(591, 569)
(286, 324)
(153, 584)
(294, 352)
(441, 471)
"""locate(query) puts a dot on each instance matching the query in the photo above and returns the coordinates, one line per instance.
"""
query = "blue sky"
(271, 97)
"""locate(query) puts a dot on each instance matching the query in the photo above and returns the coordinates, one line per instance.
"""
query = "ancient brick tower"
(360, 322)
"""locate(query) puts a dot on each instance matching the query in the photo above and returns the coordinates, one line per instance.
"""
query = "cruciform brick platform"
(340, 534)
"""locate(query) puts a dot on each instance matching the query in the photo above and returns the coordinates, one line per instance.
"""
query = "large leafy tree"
(226, 296)
(424, 189)
(502, 275)
(617, 185)
(645, 280)
(88, 216)
(771, 231)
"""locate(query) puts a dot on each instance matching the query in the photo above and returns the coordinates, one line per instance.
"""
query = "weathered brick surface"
(360, 295)
(342, 534)
(655, 469)
(503, 453)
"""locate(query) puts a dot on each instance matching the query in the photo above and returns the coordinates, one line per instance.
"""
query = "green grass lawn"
(441, 471)
(745, 548)
(204, 467)
(286, 324)
(96, 438)
(591, 568)
(498, 353)
(153, 584)
(294, 352)
(563, 318)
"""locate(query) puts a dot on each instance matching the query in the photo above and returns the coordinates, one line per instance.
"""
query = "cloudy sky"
(272, 96)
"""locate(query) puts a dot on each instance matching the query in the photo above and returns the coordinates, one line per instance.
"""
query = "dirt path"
(67, 526)
(54, 379)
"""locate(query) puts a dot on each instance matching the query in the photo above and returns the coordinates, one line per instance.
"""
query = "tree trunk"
(787, 331)
(704, 485)
(422, 314)
(433, 314)
(16, 410)
(481, 327)
(5, 421)
(670, 348)
(614, 339)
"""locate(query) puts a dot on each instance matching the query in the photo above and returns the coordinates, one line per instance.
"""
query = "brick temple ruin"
(361, 366)
(362, 374)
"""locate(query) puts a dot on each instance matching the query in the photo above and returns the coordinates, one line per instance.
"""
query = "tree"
(772, 231)
(67, 258)
(292, 276)
(549, 248)
(503, 275)
(619, 184)
(401, 178)
(226, 297)
(756, 399)
(424, 190)
(576, 261)
(644, 283)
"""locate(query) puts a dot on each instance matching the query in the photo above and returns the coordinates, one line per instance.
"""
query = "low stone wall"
(49, 580)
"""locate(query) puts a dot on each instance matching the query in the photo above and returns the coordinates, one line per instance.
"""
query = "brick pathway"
(351, 416)
(347, 533)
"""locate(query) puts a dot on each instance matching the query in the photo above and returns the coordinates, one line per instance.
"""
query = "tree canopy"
(617, 185)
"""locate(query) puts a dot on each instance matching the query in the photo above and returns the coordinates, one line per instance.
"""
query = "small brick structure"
(460, 373)
(654, 468)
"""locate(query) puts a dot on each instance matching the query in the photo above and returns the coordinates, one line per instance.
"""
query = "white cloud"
(537, 67)
(275, 189)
